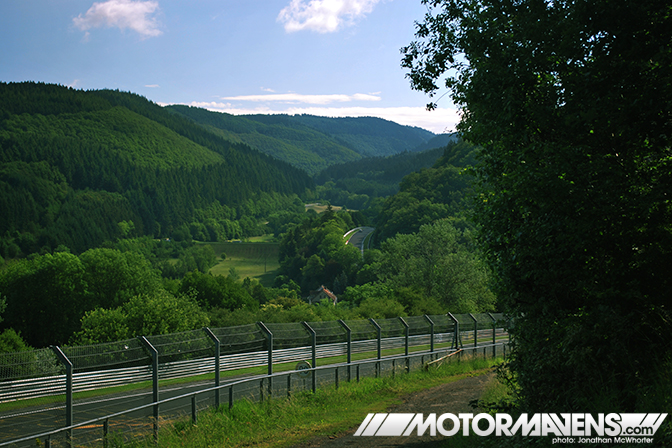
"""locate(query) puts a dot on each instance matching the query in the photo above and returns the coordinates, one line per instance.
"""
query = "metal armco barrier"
(159, 359)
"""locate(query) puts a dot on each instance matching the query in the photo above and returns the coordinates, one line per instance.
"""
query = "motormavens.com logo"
(565, 428)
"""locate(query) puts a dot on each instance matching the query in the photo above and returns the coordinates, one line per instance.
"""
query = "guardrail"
(87, 381)
(211, 351)
(103, 423)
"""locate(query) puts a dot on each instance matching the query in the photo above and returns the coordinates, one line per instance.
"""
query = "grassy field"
(319, 208)
(257, 260)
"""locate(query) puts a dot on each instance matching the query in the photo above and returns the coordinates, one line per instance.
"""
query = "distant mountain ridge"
(310, 142)
(74, 164)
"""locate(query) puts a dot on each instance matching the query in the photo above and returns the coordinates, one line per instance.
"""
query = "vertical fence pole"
(269, 337)
(289, 385)
(348, 333)
(475, 330)
(313, 343)
(106, 431)
(380, 353)
(215, 339)
(68, 389)
(406, 337)
(155, 382)
(431, 333)
(230, 396)
(494, 335)
(406, 334)
(457, 338)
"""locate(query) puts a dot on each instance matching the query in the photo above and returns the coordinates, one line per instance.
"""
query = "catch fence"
(129, 387)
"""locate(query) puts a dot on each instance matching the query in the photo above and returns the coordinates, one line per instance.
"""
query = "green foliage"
(69, 177)
(309, 142)
(437, 263)
(357, 185)
(314, 253)
(11, 342)
(430, 194)
(369, 136)
(570, 102)
(45, 297)
(281, 137)
(142, 315)
(382, 308)
(216, 291)
(113, 277)
(102, 325)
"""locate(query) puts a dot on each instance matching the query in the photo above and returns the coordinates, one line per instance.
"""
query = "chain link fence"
(114, 388)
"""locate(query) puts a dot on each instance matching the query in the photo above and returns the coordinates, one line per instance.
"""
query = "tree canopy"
(571, 104)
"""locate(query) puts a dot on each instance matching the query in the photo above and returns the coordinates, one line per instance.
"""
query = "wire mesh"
(240, 339)
(38, 373)
(289, 335)
(182, 346)
(126, 353)
(484, 321)
(442, 323)
(29, 364)
(361, 330)
(418, 325)
(328, 332)
(390, 328)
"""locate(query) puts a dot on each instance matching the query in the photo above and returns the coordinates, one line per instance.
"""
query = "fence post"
(313, 344)
(215, 339)
(380, 355)
(431, 333)
(494, 335)
(106, 431)
(269, 337)
(348, 332)
(155, 382)
(457, 338)
(68, 389)
(406, 334)
(475, 331)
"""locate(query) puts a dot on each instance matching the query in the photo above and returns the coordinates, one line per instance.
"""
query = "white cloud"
(152, 85)
(438, 121)
(301, 98)
(134, 15)
(323, 16)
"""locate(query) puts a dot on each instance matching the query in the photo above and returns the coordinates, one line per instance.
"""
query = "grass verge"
(281, 423)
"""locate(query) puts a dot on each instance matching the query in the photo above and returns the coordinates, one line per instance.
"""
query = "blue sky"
(323, 57)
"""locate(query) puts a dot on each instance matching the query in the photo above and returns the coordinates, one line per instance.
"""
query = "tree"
(45, 297)
(437, 263)
(570, 102)
(216, 291)
(11, 342)
(113, 277)
(142, 315)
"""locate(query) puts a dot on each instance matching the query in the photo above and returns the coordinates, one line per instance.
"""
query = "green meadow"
(257, 260)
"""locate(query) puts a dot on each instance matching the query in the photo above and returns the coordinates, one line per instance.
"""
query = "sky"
(322, 57)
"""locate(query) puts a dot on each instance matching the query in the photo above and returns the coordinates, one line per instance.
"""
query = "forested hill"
(430, 194)
(74, 164)
(309, 142)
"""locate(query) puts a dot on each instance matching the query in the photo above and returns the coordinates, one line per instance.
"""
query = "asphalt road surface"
(357, 238)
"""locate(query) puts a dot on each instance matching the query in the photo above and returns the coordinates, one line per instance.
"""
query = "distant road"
(357, 237)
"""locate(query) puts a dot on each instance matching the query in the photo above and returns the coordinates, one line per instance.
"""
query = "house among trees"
(321, 293)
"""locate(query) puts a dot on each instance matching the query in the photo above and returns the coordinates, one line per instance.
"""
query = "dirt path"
(451, 397)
